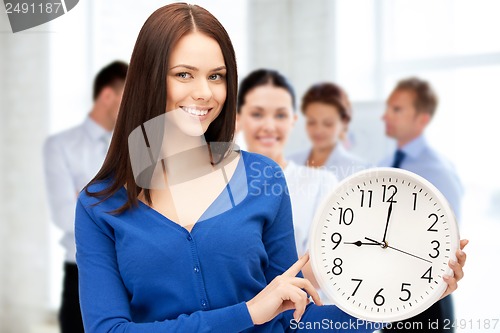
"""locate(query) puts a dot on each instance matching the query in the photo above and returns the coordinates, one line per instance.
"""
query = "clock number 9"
(337, 269)
(379, 300)
(391, 198)
(344, 218)
(336, 239)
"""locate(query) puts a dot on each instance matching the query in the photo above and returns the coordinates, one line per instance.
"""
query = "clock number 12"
(391, 198)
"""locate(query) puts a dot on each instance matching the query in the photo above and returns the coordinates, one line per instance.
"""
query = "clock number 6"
(379, 300)
(337, 269)
(344, 218)
(406, 291)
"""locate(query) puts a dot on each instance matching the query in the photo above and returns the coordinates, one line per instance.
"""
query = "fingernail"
(453, 262)
(446, 277)
(460, 252)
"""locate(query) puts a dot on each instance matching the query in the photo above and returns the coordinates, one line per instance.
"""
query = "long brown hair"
(145, 91)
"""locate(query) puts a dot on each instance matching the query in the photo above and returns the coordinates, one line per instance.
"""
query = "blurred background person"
(410, 108)
(328, 112)
(71, 159)
(266, 116)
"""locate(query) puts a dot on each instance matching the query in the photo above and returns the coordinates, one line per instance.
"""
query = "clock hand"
(385, 245)
(359, 243)
(389, 212)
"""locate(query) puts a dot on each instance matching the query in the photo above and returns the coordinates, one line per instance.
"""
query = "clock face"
(381, 243)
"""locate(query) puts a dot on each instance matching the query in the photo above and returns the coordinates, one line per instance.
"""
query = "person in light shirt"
(328, 112)
(266, 117)
(410, 109)
(71, 159)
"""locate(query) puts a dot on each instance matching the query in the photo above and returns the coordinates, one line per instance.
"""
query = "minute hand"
(387, 221)
(384, 245)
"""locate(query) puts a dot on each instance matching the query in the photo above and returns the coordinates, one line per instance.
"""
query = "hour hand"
(359, 243)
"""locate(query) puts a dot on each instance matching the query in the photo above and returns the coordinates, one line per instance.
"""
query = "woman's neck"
(319, 156)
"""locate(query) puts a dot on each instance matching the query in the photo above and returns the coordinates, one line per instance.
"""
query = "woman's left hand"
(457, 267)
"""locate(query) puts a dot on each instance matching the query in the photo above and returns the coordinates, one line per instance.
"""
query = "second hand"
(385, 245)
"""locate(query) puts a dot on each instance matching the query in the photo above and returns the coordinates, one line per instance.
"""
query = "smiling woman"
(198, 251)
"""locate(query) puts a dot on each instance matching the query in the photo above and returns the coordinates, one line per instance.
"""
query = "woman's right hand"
(283, 293)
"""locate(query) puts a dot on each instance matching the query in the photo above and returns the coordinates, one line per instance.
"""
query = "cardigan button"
(196, 269)
(189, 238)
(204, 303)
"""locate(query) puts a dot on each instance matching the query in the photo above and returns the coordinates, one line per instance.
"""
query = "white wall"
(23, 227)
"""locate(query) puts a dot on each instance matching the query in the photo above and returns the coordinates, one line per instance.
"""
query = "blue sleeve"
(278, 235)
(104, 300)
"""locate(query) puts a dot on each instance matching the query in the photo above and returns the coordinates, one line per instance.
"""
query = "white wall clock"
(380, 244)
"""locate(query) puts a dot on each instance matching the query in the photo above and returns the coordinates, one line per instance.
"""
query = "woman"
(266, 115)
(150, 259)
(328, 112)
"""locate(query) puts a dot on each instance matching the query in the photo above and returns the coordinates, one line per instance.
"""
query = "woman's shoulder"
(258, 163)
(94, 194)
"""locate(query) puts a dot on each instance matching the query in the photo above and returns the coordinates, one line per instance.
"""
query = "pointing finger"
(295, 268)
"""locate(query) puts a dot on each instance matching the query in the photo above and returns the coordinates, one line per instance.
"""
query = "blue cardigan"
(141, 272)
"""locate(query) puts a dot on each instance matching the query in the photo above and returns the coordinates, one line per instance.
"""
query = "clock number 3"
(435, 249)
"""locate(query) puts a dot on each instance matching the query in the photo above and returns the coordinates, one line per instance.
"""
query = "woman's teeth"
(195, 112)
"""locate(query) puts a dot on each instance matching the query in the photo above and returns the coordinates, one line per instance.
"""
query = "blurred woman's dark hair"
(262, 77)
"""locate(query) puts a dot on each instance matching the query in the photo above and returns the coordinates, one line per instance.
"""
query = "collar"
(337, 152)
(94, 130)
(415, 147)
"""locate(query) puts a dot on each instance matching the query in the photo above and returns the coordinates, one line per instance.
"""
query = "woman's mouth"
(200, 113)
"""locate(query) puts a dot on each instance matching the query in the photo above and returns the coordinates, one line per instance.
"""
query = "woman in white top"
(328, 112)
(266, 115)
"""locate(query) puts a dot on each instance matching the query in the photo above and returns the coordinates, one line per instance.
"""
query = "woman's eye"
(281, 116)
(184, 75)
(215, 77)
(256, 115)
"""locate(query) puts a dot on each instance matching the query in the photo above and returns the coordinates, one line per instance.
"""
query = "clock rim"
(454, 235)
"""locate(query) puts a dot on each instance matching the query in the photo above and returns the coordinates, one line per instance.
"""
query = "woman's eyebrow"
(218, 68)
(196, 69)
(185, 66)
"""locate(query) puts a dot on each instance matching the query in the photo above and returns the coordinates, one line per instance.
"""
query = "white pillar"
(24, 115)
